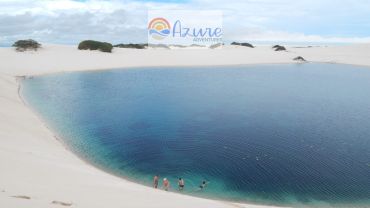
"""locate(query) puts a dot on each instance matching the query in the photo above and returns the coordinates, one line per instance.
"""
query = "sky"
(124, 21)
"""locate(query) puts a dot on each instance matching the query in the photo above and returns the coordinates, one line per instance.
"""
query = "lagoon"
(272, 134)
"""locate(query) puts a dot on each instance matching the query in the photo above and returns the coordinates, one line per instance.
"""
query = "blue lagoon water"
(295, 135)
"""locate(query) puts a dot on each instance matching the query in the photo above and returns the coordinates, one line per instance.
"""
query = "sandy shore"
(36, 169)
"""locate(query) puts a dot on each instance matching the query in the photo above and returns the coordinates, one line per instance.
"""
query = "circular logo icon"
(159, 28)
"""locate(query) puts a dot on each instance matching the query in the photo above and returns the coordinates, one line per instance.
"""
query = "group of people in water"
(180, 183)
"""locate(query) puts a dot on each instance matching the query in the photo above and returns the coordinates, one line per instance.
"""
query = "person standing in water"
(203, 185)
(181, 184)
(166, 184)
(155, 181)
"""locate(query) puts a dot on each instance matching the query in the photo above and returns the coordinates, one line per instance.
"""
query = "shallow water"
(272, 134)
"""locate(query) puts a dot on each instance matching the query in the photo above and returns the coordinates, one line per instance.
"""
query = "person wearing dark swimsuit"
(203, 185)
(181, 184)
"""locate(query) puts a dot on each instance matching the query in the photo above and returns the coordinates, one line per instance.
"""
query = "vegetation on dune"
(95, 45)
(23, 45)
(299, 58)
(279, 48)
(214, 46)
(132, 45)
(243, 44)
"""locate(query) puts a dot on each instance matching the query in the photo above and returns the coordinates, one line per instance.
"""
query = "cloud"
(68, 21)
(271, 36)
(67, 26)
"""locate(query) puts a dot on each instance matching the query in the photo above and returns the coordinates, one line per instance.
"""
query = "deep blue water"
(271, 134)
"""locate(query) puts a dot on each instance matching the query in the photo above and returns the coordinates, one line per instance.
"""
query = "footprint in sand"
(61, 203)
(21, 197)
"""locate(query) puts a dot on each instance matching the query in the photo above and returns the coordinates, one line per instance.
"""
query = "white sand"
(34, 164)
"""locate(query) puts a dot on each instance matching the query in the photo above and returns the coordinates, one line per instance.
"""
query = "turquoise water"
(293, 135)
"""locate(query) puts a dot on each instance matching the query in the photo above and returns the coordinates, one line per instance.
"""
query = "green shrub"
(95, 45)
(243, 44)
(132, 45)
(279, 48)
(23, 45)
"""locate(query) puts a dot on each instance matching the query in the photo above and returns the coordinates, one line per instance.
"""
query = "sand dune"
(37, 168)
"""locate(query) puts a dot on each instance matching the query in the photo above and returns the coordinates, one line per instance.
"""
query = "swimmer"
(155, 181)
(181, 184)
(203, 185)
(166, 184)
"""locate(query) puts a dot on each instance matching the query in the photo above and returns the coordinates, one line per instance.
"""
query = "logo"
(159, 28)
(183, 28)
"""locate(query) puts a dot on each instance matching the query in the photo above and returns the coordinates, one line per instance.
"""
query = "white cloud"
(68, 21)
(255, 35)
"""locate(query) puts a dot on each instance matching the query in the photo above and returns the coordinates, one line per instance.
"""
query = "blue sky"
(116, 21)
